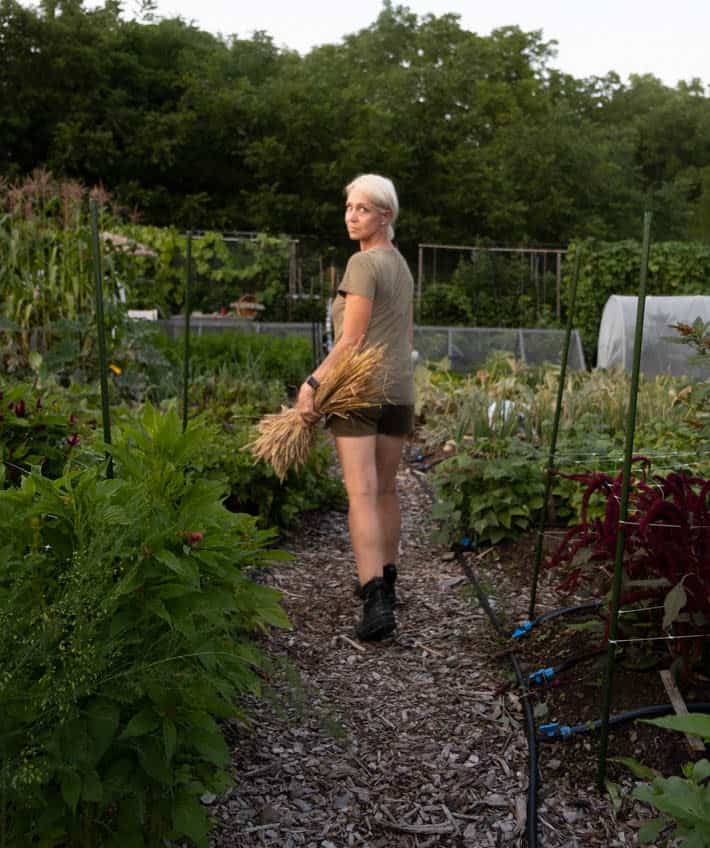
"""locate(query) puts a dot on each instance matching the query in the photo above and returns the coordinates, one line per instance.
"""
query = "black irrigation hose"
(564, 731)
(531, 823)
(527, 626)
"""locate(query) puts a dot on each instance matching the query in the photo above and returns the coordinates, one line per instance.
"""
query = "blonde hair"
(381, 192)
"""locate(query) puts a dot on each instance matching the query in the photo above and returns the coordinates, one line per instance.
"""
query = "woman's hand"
(304, 404)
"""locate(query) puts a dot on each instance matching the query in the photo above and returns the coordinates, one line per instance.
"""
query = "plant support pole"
(553, 438)
(101, 330)
(624, 506)
(186, 368)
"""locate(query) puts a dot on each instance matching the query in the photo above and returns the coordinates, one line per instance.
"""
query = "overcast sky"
(668, 39)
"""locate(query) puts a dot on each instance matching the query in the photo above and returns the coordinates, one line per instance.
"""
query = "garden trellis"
(535, 272)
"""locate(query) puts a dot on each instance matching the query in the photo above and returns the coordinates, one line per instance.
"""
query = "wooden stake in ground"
(354, 382)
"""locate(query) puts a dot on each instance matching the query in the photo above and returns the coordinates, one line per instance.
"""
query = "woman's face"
(363, 219)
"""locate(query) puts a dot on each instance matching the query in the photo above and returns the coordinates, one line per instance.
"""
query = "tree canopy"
(484, 138)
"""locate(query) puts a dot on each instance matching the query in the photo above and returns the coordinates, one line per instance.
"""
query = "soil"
(420, 741)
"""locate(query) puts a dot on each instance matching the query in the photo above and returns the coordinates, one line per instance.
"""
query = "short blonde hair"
(381, 192)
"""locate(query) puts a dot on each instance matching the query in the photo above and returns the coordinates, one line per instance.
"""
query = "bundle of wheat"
(352, 383)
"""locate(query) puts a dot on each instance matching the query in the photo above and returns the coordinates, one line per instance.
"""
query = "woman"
(373, 307)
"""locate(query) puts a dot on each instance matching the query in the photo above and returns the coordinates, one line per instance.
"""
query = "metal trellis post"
(101, 330)
(553, 437)
(624, 507)
(186, 368)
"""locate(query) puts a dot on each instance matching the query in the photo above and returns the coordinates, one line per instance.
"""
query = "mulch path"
(415, 742)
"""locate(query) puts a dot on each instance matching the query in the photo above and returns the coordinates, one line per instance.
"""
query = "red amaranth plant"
(666, 547)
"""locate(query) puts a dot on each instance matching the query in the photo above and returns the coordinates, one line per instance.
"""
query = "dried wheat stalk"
(285, 439)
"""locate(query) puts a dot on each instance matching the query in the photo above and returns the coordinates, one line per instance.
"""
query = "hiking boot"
(377, 615)
(389, 575)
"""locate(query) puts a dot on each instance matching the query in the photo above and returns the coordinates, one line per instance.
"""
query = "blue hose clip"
(555, 730)
(523, 630)
(541, 675)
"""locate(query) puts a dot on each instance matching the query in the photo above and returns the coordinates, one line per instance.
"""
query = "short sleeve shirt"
(382, 276)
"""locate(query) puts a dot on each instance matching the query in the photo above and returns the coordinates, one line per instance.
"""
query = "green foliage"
(489, 497)
(258, 357)
(222, 271)
(485, 137)
(126, 610)
(608, 268)
(42, 429)
(684, 802)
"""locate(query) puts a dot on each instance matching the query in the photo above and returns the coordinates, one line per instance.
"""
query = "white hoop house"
(615, 346)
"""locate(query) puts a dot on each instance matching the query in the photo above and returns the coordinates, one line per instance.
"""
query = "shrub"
(126, 612)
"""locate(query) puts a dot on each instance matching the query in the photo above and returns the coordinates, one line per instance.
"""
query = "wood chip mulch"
(415, 742)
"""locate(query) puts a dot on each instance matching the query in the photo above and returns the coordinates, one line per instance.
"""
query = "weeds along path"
(403, 743)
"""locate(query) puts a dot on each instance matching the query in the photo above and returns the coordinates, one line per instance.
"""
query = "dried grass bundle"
(353, 382)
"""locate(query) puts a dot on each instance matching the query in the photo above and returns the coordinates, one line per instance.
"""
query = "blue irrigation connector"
(554, 730)
(465, 543)
(523, 630)
(541, 675)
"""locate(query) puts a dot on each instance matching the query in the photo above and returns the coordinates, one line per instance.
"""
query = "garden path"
(410, 743)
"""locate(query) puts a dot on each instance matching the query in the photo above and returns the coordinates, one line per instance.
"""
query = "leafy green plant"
(490, 497)
(126, 611)
(684, 802)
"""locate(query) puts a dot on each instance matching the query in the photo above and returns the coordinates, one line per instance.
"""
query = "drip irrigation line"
(526, 626)
(543, 676)
(554, 731)
(531, 820)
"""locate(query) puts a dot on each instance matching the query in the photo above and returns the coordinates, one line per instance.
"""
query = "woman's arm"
(356, 319)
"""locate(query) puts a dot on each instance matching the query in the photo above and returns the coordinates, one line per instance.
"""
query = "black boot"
(377, 615)
(389, 575)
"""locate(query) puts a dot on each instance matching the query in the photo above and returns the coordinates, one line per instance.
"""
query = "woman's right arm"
(356, 319)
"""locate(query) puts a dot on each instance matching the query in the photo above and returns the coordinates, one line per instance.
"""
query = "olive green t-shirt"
(382, 275)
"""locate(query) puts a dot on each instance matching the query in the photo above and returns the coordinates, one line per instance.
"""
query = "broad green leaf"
(649, 832)
(144, 722)
(697, 724)
(169, 738)
(637, 769)
(70, 784)
(190, 819)
(102, 718)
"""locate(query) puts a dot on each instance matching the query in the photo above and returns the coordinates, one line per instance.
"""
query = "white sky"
(668, 39)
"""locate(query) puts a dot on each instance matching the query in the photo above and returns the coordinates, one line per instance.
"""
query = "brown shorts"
(389, 420)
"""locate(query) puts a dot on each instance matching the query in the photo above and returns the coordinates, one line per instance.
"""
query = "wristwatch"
(313, 383)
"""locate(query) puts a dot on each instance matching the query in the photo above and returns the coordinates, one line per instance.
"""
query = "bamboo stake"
(553, 438)
(186, 367)
(624, 506)
(101, 331)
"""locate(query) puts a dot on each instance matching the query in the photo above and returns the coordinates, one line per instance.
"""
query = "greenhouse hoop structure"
(658, 354)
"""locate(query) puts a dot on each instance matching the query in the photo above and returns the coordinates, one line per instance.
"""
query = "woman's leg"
(388, 451)
(357, 455)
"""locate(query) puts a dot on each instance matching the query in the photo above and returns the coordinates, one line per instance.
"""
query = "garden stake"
(101, 330)
(624, 506)
(553, 439)
(186, 369)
